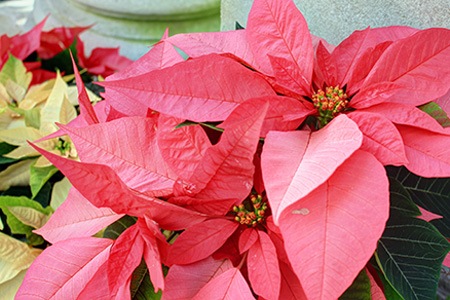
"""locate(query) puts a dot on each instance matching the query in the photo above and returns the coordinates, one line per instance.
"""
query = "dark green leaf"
(360, 288)
(39, 176)
(435, 111)
(4, 149)
(410, 251)
(403, 204)
(61, 61)
(186, 123)
(115, 229)
(433, 194)
(141, 286)
(389, 292)
(238, 26)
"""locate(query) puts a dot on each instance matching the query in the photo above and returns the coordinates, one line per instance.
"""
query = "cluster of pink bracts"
(276, 187)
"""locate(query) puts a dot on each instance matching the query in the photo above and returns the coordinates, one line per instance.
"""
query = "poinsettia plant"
(269, 164)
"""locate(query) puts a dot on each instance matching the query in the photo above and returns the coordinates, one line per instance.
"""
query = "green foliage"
(433, 194)
(115, 229)
(360, 288)
(62, 60)
(39, 176)
(141, 286)
(4, 149)
(411, 251)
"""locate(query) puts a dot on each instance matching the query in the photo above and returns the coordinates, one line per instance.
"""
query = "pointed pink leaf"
(428, 152)
(160, 56)
(335, 229)
(418, 65)
(86, 108)
(126, 254)
(151, 234)
(278, 28)
(183, 282)
(263, 269)
(76, 217)
(407, 115)
(200, 241)
(380, 137)
(376, 291)
(247, 238)
(227, 168)
(129, 147)
(324, 69)
(289, 77)
(124, 104)
(444, 102)
(201, 89)
(277, 239)
(290, 285)
(25, 44)
(229, 285)
(427, 215)
(182, 148)
(62, 270)
(202, 43)
(295, 163)
(208, 206)
(102, 187)
(374, 94)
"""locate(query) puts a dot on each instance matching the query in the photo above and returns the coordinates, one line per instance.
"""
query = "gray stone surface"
(335, 20)
(133, 25)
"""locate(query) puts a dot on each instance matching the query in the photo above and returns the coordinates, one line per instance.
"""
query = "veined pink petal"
(126, 254)
(290, 285)
(428, 152)
(200, 241)
(102, 187)
(186, 91)
(67, 266)
(278, 28)
(295, 163)
(229, 285)
(129, 147)
(263, 269)
(202, 43)
(182, 148)
(418, 64)
(404, 114)
(247, 238)
(380, 137)
(226, 172)
(335, 229)
(25, 44)
(76, 217)
(183, 282)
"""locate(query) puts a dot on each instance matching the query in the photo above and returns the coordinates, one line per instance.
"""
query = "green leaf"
(141, 286)
(435, 111)
(115, 229)
(16, 226)
(62, 61)
(410, 251)
(238, 26)
(360, 288)
(403, 204)
(433, 194)
(4, 149)
(39, 176)
(15, 71)
(33, 117)
(389, 291)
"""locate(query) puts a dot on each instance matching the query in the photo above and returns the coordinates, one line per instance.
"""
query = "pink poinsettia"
(276, 185)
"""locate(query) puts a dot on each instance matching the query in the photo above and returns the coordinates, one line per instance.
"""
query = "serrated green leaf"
(434, 110)
(410, 253)
(115, 229)
(433, 194)
(39, 176)
(360, 288)
(141, 287)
